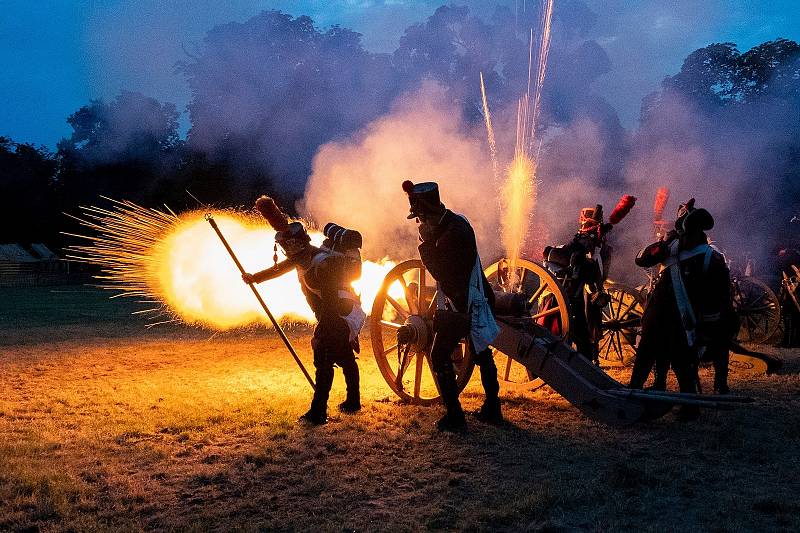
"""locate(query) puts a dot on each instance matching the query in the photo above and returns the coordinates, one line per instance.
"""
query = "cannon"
(407, 299)
(621, 322)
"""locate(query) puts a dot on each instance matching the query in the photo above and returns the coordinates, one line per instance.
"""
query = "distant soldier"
(582, 268)
(788, 264)
(689, 314)
(325, 276)
(465, 301)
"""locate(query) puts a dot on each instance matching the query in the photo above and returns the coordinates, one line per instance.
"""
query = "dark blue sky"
(55, 55)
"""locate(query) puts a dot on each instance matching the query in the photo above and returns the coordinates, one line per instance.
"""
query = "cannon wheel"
(622, 325)
(407, 297)
(537, 283)
(758, 309)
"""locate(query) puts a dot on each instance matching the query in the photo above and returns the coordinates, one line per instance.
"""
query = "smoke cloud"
(356, 182)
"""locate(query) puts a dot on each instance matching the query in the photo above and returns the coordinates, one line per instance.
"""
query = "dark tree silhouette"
(120, 149)
(28, 207)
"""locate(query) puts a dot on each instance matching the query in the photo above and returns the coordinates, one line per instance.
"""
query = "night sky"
(56, 55)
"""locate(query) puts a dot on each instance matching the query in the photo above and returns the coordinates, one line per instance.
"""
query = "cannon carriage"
(621, 316)
(528, 353)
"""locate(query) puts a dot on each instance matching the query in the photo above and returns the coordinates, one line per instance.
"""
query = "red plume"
(624, 206)
(276, 218)
(408, 186)
(662, 197)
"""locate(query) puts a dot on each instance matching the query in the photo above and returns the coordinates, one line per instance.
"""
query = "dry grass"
(125, 429)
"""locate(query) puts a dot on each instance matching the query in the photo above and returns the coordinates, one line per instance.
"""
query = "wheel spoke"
(421, 289)
(619, 304)
(604, 341)
(507, 371)
(418, 374)
(430, 366)
(620, 350)
(389, 350)
(523, 278)
(538, 292)
(551, 311)
(627, 309)
(402, 312)
(392, 325)
(407, 293)
(432, 305)
(608, 348)
(401, 369)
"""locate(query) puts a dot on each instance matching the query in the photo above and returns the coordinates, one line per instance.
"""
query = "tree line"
(267, 92)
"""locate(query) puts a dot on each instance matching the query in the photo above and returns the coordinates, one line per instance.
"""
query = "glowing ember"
(177, 262)
(518, 197)
(518, 201)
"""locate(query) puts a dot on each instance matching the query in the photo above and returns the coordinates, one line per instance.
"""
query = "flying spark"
(176, 265)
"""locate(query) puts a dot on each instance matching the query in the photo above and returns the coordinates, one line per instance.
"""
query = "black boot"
(490, 410)
(314, 417)
(454, 420)
(318, 413)
(454, 423)
(353, 402)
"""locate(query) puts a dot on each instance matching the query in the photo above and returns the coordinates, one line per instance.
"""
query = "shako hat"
(421, 196)
(691, 219)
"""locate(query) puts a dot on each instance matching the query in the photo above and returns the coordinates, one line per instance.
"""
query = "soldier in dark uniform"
(449, 251)
(579, 265)
(689, 314)
(325, 278)
(788, 259)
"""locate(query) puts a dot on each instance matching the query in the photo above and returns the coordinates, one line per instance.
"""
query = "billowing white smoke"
(357, 182)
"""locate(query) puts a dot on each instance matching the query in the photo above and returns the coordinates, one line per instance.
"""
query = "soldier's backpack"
(346, 242)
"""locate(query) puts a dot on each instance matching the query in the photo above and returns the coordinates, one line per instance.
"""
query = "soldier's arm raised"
(270, 273)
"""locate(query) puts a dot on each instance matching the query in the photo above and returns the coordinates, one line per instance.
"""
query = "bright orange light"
(200, 283)
(518, 199)
(179, 263)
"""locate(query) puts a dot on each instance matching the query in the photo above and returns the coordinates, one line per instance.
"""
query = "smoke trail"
(519, 193)
(489, 130)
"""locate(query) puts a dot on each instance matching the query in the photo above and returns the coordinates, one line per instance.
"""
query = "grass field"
(107, 426)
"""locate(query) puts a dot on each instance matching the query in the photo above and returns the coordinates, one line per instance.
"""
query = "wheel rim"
(622, 325)
(549, 305)
(758, 309)
(407, 297)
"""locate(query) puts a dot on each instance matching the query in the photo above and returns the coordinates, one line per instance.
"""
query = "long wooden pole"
(278, 328)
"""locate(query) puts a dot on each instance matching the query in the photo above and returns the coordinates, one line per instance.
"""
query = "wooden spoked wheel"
(622, 325)
(758, 309)
(407, 297)
(548, 308)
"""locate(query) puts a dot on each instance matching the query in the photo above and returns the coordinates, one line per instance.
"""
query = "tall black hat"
(692, 219)
(421, 196)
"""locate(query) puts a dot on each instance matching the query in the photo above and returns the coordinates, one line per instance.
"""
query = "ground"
(107, 425)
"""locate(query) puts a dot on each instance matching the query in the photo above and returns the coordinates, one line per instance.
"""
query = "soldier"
(465, 302)
(788, 263)
(689, 314)
(582, 267)
(325, 278)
